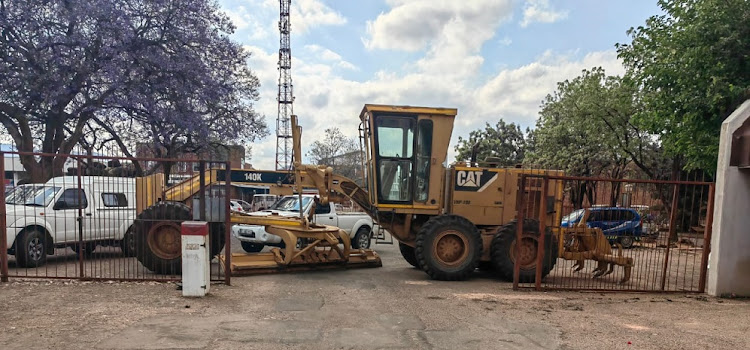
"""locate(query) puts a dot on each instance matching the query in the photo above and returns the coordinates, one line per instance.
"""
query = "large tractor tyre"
(158, 237)
(127, 244)
(408, 253)
(485, 266)
(448, 247)
(32, 248)
(217, 235)
(503, 251)
(362, 238)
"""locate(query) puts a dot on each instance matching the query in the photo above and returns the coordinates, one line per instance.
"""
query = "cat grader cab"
(448, 220)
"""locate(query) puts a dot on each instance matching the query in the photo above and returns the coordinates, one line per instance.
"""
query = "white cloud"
(448, 74)
(307, 14)
(540, 11)
(416, 24)
(505, 41)
(329, 56)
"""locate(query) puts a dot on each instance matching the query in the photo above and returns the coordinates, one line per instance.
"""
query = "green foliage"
(692, 68)
(506, 142)
(338, 151)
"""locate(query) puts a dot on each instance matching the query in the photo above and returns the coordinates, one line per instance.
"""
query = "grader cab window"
(395, 139)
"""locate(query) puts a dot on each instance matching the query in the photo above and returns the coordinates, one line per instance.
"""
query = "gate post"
(707, 238)
(520, 203)
(228, 226)
(3, 229)
(542, 233)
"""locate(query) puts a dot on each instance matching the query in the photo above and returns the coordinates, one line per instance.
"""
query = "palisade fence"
(614, 235)
(96, 215)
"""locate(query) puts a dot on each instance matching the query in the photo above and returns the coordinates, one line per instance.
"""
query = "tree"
(586, 128)
(168, 65)
(506, 142)
(340, 152)
(691, 69)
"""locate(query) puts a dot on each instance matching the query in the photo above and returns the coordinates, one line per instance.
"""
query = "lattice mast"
(285, 97)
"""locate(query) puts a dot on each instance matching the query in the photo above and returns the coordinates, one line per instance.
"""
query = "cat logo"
(468, 178)
(474, 180)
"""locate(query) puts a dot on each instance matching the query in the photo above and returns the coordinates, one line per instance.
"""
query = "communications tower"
(285, 97)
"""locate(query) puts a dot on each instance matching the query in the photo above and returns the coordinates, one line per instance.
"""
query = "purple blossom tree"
(166, 66)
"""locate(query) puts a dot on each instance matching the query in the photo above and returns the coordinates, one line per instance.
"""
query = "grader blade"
(321, 247)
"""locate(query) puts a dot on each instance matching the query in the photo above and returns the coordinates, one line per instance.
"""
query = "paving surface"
(393, 307)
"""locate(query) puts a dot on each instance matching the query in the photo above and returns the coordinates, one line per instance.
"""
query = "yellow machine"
(581, 243)
(448, 220)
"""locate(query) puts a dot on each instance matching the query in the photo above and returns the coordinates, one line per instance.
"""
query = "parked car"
(254, 238)
(46, 217)
(263, 201)
(234, 205)
(244, 205)
(619, 225)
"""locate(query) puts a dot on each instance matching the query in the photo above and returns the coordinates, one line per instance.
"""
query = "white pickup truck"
(357, 225)
(42, 217)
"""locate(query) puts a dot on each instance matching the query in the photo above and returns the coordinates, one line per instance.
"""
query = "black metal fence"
(90, 217)
(614, 235)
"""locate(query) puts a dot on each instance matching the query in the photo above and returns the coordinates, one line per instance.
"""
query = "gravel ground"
(391, 307)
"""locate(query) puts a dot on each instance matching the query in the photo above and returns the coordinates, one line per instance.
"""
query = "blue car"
(619, 225)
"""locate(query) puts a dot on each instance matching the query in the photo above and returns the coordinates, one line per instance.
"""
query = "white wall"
(729, 262)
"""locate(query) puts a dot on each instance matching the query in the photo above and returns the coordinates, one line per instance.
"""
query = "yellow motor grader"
(448, 220)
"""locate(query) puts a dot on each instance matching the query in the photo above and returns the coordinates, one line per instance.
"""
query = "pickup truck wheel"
(31, 249)
(408, 253)
(362, 238)
(88, 249)
(252, 247)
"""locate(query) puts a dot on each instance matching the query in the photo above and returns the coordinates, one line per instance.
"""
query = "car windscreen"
(20, 194)
(574, 216)
(43, 196)
(291, 204)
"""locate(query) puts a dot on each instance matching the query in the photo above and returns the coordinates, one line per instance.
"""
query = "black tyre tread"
(364, 230)
(632, 244)
(500, 251)
(125, 243)
(21, 254)
(434, 226)
(88, 248)
(485, 266)
(409, 254)
(252, 247)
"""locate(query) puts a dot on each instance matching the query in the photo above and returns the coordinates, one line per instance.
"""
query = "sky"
(491, 59)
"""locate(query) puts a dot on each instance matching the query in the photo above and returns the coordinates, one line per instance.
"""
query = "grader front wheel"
(448, 247)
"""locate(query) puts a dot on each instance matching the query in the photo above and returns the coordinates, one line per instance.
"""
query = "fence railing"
(614, 235)
(112, 218)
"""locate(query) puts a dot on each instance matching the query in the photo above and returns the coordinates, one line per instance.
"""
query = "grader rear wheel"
(448, 247)
(408, 253)
(158, 240)
(504, 249)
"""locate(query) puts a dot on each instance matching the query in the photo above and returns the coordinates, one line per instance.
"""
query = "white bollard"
(196, 259)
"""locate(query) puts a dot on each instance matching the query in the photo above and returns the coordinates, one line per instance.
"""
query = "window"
(114, 200)
(395, 139)
(322, 209)
(70, 200)
(424, 154)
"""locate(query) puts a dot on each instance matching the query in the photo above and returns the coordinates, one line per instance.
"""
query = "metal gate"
(81, 224)
(613, 235)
